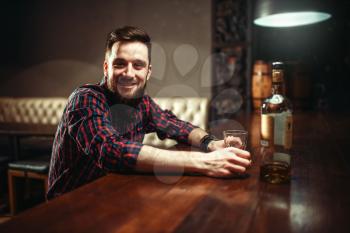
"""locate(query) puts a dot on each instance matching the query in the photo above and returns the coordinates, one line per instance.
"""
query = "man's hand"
(232, 141)
(216, 145)
(226, 162)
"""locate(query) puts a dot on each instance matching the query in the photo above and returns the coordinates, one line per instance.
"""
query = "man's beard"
(133, 100)
(123, 109)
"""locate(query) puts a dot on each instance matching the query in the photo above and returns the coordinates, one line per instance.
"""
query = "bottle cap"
(278, 65)
(277, 71)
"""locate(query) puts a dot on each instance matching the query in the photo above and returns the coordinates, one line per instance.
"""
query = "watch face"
(204, 142)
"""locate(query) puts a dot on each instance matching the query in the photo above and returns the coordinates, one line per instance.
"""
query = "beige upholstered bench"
(47, 111)
(191, 109)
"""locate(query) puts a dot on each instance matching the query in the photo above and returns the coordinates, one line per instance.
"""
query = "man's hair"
(128, 34)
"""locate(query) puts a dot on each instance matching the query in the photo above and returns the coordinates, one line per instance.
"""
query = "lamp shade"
(289, 13)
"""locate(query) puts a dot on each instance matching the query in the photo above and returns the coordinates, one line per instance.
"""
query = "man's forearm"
(168, 160)
(195, 136)
(220, 163)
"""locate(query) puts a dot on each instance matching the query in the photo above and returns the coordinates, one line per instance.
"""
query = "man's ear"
(149, 72)
(105, 68)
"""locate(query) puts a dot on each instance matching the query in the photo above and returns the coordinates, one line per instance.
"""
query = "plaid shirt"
(97, 134)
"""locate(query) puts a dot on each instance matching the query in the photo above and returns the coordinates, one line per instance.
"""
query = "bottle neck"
(277, 88)
(278, 82)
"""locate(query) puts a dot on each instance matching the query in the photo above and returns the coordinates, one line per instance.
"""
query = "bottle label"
(288, 131)
(277, 99)
(282, 128)
(267, 130)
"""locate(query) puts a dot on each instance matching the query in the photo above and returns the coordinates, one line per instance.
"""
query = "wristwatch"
(204, 142)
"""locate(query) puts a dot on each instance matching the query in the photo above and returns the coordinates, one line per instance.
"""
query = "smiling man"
(127, 69)
(103, 126)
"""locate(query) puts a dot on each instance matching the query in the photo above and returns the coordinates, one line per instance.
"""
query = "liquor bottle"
(276, 131)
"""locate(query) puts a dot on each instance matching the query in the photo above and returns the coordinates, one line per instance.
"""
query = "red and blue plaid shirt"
(98, 134)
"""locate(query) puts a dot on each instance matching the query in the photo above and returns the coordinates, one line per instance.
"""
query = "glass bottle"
(276, 131)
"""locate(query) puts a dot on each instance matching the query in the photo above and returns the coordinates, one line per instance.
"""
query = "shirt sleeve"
(90, 126)
(167, 125)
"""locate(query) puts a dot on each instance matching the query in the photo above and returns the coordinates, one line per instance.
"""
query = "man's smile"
(126, 82)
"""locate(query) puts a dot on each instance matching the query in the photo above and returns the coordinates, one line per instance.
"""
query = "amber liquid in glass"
(275, 172)
(234, 144)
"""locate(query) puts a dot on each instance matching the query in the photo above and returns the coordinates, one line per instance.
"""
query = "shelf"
(231, 61)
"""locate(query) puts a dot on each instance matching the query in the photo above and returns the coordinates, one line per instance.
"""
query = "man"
(96, 135)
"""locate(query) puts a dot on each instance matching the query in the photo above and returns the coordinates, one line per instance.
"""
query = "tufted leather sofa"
(191, 109)
(40, 111)
(48, 111)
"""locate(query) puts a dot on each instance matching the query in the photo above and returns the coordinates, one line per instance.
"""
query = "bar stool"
(34, 168)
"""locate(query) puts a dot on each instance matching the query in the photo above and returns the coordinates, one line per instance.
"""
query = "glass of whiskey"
(236, 138)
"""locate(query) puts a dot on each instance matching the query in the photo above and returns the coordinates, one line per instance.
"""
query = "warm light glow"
(291, 19)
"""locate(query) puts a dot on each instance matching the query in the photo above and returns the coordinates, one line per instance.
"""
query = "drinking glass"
(236, 138)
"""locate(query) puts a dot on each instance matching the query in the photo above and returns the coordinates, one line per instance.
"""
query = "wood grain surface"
(316, 200)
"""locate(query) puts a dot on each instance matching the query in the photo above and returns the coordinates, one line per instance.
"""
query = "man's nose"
(130, 70)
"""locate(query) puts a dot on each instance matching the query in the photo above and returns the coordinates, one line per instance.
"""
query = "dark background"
(323, 47)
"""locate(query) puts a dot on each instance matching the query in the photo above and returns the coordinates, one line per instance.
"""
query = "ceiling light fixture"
(288, 13)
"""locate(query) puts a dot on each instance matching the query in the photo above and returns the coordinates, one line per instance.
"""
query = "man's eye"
(139, 66)
(119, 65)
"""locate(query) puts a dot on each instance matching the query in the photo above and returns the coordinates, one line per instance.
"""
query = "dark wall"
(11, 14)
(48, 48)
(323, 47)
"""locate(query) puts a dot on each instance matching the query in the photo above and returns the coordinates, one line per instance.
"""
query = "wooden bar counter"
(316, 200)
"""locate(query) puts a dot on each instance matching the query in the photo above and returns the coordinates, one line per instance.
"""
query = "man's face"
(127, 69)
